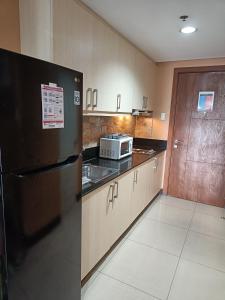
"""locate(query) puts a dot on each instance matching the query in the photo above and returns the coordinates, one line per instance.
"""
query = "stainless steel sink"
(92, 173)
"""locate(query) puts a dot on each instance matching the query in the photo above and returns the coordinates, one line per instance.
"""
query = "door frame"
(177, 72)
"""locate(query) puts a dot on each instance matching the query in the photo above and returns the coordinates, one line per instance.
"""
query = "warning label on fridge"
(52, 106)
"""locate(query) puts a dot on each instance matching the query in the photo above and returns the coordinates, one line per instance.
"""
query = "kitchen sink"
(93, 173)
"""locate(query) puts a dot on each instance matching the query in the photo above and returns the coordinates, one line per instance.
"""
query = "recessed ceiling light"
(188, 29)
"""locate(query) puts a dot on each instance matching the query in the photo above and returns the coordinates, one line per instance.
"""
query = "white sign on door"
(52, 106)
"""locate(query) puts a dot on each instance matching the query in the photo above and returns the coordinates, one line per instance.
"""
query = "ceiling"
(153, 26)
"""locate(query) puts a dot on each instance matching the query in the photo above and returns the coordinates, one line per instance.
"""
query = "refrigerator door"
(43, 233)
(24, 144)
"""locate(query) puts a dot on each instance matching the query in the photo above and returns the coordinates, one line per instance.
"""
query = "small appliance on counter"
(116, 146)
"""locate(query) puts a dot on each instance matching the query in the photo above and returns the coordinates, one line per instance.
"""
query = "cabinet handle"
(111, 188)
(117, 190)
(88, 98)
(118, 100)
(144, 106)
(136, 176)
(156, 163)
(95, 98)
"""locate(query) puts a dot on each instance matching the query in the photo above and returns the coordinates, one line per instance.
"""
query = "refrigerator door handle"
(70, 160)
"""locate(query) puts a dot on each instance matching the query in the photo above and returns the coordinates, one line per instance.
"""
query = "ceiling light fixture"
(188, 28)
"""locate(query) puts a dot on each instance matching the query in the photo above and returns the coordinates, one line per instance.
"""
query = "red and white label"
(52, 106)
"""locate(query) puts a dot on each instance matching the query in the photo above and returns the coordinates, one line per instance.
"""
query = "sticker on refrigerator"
(52, 106)
(76, 97)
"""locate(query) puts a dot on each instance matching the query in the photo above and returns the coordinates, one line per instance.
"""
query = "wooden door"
(197, 166)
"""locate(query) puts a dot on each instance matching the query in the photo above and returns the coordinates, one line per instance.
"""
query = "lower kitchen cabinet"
(121, 208)
(108, 211)
(139, 190)
(96, 240)
(158, 173)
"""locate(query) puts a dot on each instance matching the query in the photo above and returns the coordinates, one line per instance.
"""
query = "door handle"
(118, 101)
(117, 189)
(88, 97)
(95, 98)
(112, 195)
(177, 143)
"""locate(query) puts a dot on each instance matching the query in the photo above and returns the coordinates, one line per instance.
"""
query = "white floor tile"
(159, 235)
(110, 256)
(89, 283)
(177, 202)
(210, 210)
(205, 250)
(170, 215)
(145, 268)
(196, 282)
(209, 225)
(106, 288)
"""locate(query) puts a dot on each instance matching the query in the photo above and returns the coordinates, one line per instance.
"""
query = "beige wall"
(164, 84)
(9, 25)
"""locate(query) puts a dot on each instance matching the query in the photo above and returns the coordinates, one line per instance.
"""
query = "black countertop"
(122, 166)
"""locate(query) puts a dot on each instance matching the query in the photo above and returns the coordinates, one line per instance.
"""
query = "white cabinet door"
(73, 42)
(36, 28)
(125, 76)
(105, 55)
(121, 208)
(149, 173)
(149, 91)
(158, 174)
(139, 84)
(139, 191)
(96, 224)
(144, 87)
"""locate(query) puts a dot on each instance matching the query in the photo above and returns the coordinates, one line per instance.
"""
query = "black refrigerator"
(40, 169)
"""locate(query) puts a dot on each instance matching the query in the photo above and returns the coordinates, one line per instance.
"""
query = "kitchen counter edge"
(137, 160)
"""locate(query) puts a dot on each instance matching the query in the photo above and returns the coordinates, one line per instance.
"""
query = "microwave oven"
(116, 146)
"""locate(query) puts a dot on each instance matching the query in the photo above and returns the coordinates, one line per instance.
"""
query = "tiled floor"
(175, 252)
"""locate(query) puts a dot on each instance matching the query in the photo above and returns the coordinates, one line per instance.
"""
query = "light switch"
(163, 116)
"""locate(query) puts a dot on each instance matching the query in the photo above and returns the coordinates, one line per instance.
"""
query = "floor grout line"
(208, 235)
(213, 216)
(188, 230)
(208, 267)
(166, 223)
(176, 206)
(130, 285)
(152, 247)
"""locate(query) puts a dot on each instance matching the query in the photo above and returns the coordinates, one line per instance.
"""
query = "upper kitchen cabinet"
(144, 82)
(36, 28)
(73, 42)
(125, 76)
(117, 76)
(104, 67)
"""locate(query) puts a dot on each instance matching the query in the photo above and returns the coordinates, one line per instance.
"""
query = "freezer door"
(43, 234)
(24, 144)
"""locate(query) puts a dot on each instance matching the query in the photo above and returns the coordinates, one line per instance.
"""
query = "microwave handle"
(131, 145)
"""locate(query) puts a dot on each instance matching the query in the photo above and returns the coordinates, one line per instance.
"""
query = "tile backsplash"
(95, 127)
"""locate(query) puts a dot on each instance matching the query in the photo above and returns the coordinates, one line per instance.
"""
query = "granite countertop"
(122, 166)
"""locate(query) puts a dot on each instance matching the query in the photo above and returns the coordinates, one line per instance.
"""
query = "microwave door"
(125, 148)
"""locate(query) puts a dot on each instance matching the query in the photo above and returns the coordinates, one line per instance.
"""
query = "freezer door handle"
(70, 160)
